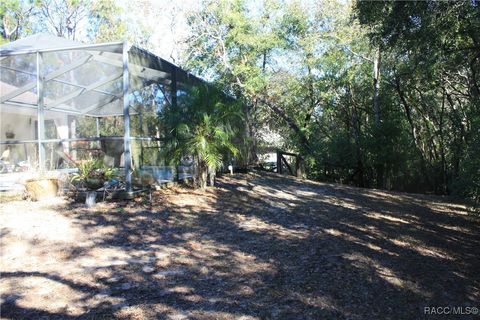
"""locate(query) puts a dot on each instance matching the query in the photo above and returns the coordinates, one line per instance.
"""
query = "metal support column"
(173, 88)
(126, 120)
(41, 113)
(173, 97)
(97, 125)
(140, 124)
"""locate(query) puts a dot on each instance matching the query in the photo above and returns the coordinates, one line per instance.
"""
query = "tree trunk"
(376, 86)
(290, 122)
(251, 156)
(408, 113)
(202, 175)
(357, 134)
(212, 175)
(380, 167)
(442, 147)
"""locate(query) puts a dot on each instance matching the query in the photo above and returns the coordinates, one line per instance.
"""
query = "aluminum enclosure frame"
(139, 68)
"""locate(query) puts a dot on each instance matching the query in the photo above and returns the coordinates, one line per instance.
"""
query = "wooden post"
(279, 162)
(289, 168)
(299, 167)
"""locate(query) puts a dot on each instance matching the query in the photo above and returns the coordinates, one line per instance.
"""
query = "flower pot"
(94, 183)
(41, 188)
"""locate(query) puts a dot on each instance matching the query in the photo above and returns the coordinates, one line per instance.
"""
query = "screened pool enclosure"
(62, 101)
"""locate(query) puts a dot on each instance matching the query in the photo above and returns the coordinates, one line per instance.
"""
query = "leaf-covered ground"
(257, 247)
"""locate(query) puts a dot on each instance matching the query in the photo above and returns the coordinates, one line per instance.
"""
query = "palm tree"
(203, 125)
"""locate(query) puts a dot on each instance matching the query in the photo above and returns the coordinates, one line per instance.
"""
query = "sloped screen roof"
(79, 79)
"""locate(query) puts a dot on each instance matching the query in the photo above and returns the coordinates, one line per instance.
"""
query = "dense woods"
(373, 94)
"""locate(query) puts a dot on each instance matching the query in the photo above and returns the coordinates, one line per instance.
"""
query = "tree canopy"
(373, 94)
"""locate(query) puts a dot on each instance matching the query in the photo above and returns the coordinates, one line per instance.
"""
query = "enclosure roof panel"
(82, 78)
(44, 42)
(37, 42)
(149, 60)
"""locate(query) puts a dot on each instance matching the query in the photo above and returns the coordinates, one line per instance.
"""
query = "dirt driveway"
(257, 247)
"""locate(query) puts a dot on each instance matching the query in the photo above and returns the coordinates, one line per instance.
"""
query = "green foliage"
(204, 126)
(91, 20)
(305, 70)
(15, 18)
(468, 182)
(93, 169)
(434, 71)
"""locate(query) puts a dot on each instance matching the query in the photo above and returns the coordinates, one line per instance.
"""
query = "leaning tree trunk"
(251, 147)
(356, 134)
(289, 121)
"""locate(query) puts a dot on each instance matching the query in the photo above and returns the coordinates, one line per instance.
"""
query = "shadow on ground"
(259, 247)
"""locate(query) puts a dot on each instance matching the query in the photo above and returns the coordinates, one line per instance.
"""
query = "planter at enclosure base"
(94, 183)
(41, 188)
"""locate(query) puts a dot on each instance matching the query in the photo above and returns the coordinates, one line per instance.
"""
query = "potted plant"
(92, 174)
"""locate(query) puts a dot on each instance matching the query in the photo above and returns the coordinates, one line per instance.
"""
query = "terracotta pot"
(41, 188)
